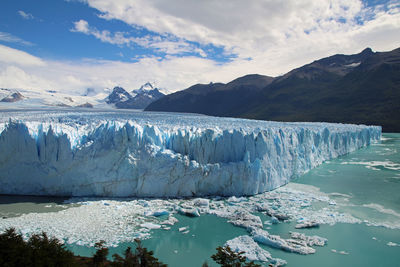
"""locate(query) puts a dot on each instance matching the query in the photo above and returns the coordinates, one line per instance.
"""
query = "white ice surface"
(252, 250)
(123, 220)
(128, 154)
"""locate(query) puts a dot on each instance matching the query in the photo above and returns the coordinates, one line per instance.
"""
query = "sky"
(72, 45)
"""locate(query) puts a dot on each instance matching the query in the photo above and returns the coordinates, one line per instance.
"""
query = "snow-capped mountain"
(118, 95)
(145, 88)
(7, 95)
(137, 99)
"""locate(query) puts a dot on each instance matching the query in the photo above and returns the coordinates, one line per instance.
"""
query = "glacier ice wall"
(162, 155)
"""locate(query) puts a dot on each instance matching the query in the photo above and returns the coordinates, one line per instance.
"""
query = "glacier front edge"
(162, 155)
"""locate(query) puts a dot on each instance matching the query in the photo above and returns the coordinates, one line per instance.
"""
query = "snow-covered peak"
(147, 87)
(118, 95)
(144, 89)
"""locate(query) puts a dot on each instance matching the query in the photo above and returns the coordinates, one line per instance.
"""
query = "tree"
(39, 250)
(140, 258)
(100, 257)
(226, 257)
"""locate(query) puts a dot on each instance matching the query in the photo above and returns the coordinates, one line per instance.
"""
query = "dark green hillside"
(363, 88)
(216, 99)
(369, 94)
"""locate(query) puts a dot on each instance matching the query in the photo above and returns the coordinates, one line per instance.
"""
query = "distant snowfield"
(34, 98)
(40, 98)
(147, 154)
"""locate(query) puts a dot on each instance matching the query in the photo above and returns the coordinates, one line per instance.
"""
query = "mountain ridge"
(363, 88)
(137, 99)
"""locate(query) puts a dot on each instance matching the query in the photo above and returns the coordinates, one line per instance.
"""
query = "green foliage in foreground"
(40, 250)
(226, 257)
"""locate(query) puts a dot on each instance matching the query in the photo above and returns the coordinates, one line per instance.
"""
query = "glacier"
(149, 154)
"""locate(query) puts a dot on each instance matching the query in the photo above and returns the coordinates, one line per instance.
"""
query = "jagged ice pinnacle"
(144, 154)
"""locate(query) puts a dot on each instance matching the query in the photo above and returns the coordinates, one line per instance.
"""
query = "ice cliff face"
(161, 154)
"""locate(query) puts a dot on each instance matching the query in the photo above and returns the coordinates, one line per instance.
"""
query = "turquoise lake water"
(365, 184)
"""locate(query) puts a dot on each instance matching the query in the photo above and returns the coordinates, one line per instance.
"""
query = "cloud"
(6, 37)
(173, 73)
(25, 15)
(278, 35)
(269, 37)
(158, 43)
(81, 26)
(13, 56)
(15, 77)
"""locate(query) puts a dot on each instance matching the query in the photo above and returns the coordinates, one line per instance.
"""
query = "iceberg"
(146, 154)
(252, 251)
(299, 243)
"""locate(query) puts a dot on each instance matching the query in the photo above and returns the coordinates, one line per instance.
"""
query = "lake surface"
(357, 196)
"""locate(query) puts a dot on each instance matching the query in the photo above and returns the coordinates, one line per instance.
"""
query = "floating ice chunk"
(310, 224)
(252, 251)
(150, 225)
(310, 240)
(159, 213)
(182, 229)
(272, 212)
(171, 221)
(291, 245)
(194, 212)
(342, 252)
(201, 202)
(274, 220)
(392, 244)
(245, 219)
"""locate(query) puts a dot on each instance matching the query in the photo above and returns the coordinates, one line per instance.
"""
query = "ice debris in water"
(309, 240)
(297, 244)
(311, 224)
(88, 220)
(340, 252)
(252, 250)
(190, 212)
(392, 244)
(120, 154)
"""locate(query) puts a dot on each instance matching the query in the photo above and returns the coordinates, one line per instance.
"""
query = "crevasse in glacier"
(160, 154)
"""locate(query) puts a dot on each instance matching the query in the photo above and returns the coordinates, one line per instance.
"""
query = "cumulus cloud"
(25, 15)
(269, 37)
(278, 35)
(164, 44)
(81, 26)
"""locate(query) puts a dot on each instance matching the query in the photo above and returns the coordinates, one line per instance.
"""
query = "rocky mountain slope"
(363, 88)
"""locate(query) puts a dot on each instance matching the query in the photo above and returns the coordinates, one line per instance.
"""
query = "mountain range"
(118, 98)
(137, 99)
(363, 88)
